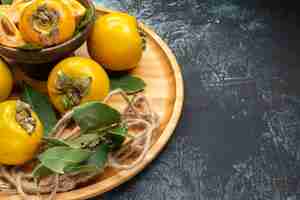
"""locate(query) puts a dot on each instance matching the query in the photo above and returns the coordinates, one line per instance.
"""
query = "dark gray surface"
(238, 138)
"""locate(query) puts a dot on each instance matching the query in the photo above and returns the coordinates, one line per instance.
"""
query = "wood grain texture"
(162, 74)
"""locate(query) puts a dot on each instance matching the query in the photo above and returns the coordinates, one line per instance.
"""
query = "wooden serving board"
(159, 69)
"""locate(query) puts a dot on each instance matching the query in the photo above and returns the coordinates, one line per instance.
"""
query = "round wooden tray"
(159, 69)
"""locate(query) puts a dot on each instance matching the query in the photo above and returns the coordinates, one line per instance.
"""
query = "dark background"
(238, 138)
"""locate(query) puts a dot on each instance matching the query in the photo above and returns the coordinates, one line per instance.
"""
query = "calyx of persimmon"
(24, 117)
(72, 89)
(45, 21)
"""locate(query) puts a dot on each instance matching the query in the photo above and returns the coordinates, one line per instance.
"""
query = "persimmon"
(9, 34)
(21, 132)
(47, 22)
(17, 8)
(77, 8)
(6, 81)
(115, 42)
(77, 80)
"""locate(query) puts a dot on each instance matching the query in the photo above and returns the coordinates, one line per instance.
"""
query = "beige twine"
(137, 114)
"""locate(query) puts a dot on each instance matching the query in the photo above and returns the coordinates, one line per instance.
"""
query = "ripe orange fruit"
(6, 81)
(47, 22)
(17, 145)
(77, 80)
(115, 42)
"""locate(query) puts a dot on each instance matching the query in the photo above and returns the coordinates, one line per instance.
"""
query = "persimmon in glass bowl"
(39, 46)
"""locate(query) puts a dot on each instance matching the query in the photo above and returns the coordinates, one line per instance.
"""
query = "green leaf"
(130, 84)
(121, 130)
(57, 158)
(84, 140)
(95, 162)
(117, 135)
(80, 168)
(30, 47)
(42, 106)
(99, 157)
(55, 142)
(6, 1)
(40, 170)
(95, 115)
(84, 20)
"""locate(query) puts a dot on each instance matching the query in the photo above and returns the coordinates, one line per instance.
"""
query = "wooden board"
(159, 69)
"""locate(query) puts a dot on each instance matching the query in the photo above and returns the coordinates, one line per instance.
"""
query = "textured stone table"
(239, 136)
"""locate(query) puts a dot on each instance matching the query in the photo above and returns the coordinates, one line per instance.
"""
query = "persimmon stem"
(75, 132)
(61, 123)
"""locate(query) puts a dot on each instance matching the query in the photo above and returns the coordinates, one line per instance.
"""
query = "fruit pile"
(39, 22)
(82, 134)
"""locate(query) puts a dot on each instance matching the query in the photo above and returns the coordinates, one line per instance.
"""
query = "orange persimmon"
(47, 22)
(10, 35)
